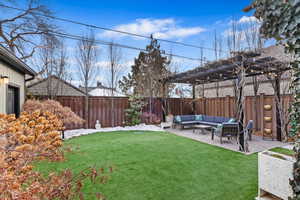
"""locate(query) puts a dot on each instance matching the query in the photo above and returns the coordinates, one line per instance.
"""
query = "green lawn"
(162, 166)
(284, 151)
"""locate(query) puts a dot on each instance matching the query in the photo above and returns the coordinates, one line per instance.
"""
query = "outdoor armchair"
(229, 130)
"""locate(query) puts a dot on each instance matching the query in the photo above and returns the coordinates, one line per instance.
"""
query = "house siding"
(15, 79)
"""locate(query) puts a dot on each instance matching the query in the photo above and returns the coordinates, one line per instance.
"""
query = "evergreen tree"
(147, 73)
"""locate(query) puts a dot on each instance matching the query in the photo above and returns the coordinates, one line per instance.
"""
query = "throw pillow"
(178, 119)
(231, 120)
(198, 117)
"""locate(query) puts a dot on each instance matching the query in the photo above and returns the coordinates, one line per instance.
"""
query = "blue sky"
(189, 21)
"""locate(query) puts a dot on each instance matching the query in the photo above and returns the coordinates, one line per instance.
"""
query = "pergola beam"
(226, 70)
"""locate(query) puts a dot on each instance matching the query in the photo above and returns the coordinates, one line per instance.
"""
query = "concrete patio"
(257, 144)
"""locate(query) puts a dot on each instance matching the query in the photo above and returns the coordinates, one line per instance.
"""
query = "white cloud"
(245, 25)
(244, 20)
(160, 28)
(178, 33)
(241, 33)
(104, 64)
(248, 19)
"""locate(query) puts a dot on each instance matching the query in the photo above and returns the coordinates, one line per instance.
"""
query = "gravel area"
(141, 127)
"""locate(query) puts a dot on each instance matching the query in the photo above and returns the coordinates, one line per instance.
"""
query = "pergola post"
(240, 111)
(278, 121)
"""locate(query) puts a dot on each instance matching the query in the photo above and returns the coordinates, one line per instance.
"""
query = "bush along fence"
(110, 111)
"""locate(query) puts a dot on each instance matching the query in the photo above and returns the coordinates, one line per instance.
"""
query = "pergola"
(223, 70)
(269, 61)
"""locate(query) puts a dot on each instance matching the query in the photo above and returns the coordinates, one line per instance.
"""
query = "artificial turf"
(160, 166)
(284, 151)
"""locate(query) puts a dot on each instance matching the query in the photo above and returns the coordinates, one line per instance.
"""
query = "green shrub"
(134, 112)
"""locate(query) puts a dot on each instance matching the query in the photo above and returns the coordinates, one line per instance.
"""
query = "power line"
(77, 37)
(108, 29)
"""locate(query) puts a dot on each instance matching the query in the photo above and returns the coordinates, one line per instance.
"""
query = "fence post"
(87, 111)
(261, 101)
(204, 106)
(112, 112)
(227, 106)
(194, 97)
(180, 106)
(275, 117)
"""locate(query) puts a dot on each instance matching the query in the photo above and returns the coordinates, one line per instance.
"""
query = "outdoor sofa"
(190, 120)
(221, 126)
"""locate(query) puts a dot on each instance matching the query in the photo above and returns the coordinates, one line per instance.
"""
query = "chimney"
(99, 84)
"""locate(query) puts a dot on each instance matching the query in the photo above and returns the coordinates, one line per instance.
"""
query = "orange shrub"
(32, 137)
(65, 114)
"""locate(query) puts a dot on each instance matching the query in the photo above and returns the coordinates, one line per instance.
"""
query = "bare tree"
(21, 30)
(235, 47)
(173, 67)
(234, 37)
(217, 46)
(285, 106)
(52, 63)
(116, 70)
(240, 83)
(282, 110)
(254, 42)
(87, 56)
(202, 62)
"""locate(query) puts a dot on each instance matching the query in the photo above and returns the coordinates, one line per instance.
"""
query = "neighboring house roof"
(101, 90)
(39, 88)
(99, 85)
(14, 62)
(104, 92)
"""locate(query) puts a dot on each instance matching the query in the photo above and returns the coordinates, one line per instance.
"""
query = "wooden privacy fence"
(254, 109)
(110, 111)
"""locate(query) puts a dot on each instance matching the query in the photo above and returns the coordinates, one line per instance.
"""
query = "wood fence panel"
(173, 106)
(100, 108)
(187, 106)
(105, 109)
(268, 100)
(76, 104)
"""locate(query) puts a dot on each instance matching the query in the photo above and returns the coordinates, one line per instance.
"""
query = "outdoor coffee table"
(201, 128)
